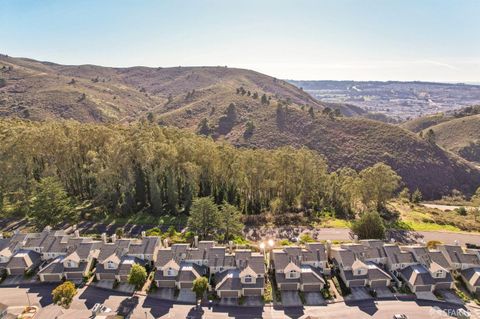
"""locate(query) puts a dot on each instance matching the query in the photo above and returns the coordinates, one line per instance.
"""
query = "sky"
(430, 40)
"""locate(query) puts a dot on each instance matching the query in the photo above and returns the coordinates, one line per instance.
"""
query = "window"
(170, 272)
(111, 265)
(248, 278)
(292, 274)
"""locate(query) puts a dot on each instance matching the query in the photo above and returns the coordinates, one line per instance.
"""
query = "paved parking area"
(314, 299)
(291, 299)
(186, 295)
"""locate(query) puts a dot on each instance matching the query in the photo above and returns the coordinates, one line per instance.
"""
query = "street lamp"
(262, 246)
(271, 243)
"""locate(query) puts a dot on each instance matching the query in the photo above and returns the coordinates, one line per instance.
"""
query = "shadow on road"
(43, 291)
(158, 308)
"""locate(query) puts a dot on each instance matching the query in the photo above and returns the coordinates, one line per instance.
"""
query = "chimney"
(165, 242)
(114, 238)
(355, 238)
(144, 234)
(104, 238)
(329, 248)
(230, 246)
(195, 241)
(77, 233)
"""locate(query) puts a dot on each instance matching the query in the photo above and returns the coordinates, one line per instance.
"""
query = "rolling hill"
(215, 101)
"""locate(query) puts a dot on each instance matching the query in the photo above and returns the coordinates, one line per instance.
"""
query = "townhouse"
(357, 268)
(436, 264)
(179, 265)
(73, 265)
(245, 277)
(116, 258)
(459, 259)
(298, 268)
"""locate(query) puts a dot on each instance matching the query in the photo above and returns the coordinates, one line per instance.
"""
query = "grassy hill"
(200, 97)
(461, 136)
(88, 93)
(420, 123)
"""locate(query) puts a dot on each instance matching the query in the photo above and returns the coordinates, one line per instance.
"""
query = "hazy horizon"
(303, 40)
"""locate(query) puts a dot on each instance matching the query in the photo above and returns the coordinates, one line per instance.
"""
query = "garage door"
(74, 275)
(17, 271)
(51, 278)
(188, 285)
(228, 294)
(166, 284)
(311, 288)
(252, 292)
(442, 285)
(357, 283)
(423, 288)
(378, 283)
(289, 287)
(106, 276)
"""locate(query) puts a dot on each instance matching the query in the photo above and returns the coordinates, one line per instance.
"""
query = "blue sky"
(435, 40)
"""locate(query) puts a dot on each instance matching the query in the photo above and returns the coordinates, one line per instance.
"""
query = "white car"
(400, 316)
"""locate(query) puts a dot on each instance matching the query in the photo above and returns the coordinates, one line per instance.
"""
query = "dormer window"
(170, 272)
(111, 265)
(248, 279)
(292, 274)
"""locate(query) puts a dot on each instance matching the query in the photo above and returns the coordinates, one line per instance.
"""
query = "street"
(146, 307)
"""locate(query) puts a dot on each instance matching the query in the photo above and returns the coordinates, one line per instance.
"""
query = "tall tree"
(50, 204)
(378, 184)
(205, 218)
(231, 220)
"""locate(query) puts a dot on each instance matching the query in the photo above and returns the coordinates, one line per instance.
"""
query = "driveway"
(426, 295)
(314, 299)
(450, 296)
(12, 281)
(384, 292)
(228, 302)
(163, 293)
(186, 295)
(359, 294)
(253, 301)
(291, 299)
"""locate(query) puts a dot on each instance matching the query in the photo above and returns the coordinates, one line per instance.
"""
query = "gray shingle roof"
(417, 275)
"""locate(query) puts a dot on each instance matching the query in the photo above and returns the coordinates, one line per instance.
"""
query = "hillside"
(420, 123)
(214, 101)
(461, 136)
(87, 93)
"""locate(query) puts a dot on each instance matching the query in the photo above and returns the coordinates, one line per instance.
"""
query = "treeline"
(145, 167)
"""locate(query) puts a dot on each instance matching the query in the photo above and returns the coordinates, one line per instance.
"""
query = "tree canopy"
(63, 294)
(143, 167)
(369, 226)
(200, 286)
(137, 276)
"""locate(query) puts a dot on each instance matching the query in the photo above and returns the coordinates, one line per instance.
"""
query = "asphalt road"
(145, 307)
(406, 236)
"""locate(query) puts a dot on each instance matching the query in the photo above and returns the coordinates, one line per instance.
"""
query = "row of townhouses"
(235, 272)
